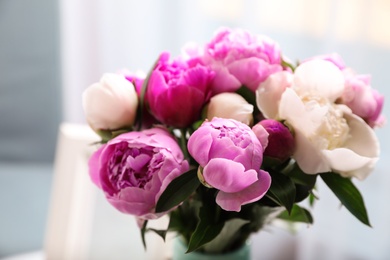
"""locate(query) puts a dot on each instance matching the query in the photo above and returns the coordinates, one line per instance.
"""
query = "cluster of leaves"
(205, 226)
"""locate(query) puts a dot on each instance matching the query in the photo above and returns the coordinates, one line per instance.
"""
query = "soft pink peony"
(230, 156)
(134, 168)
(238, 58)
(362, 99)
(177, 92)
(358, 94)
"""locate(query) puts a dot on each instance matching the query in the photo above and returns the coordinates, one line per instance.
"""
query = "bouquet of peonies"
(229, 136)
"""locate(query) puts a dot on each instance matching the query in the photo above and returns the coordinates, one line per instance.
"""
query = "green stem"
(183, 143)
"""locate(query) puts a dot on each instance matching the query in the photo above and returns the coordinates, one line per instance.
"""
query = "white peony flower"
(230, 105)
(329, 137)
(111, 103)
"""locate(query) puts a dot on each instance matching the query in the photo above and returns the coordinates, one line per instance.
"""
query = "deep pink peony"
(240, 58)
(177, 92)
(134, 168)
(281, 143)
(230, 156)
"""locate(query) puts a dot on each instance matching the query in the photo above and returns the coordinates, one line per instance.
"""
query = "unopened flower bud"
(281, 143)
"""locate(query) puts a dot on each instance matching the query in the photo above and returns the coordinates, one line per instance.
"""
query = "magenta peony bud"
(281, 143)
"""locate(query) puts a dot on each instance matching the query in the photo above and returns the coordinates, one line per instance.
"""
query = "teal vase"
(179, 249)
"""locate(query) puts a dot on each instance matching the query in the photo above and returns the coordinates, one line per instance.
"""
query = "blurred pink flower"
(358, 94)
(363, 100)
(240, 58)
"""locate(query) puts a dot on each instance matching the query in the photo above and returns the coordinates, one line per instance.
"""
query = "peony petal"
(133, 200)
(348, 163)
(199, 145)
(308, 157)
(252, 71)
(224, 81)
(261, 134)
(94, 166)
(270, 91)
(305, 117)
(234, 201)
(362, 140)
(230, 105)
(228, 176)
(319, 77)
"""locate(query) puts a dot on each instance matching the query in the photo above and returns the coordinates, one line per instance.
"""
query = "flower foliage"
(229, 136)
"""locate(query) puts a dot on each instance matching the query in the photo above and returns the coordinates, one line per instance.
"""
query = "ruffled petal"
(306, 117)
(228, 176)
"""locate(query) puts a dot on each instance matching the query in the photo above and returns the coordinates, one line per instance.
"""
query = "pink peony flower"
(134, 168)
(358, 94)
(240, 58)
(363, 100)
(177, 92)
(230, 156)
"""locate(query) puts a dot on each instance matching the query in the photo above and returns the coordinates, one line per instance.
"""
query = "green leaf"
(143, 231)
(304, 183)
(161, 233)
(298, 214)
(249, 96)
(348, 194)
(224, 239)
(144, 87)
(282, 190)
(301, 178)
(107, 135)
(206, 230)
(178, 190)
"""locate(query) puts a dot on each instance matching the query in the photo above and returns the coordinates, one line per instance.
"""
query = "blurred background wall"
(50, 51)
(30, 111)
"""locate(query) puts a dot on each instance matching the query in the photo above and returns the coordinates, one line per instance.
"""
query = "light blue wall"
(30, 108)
(30, 111)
